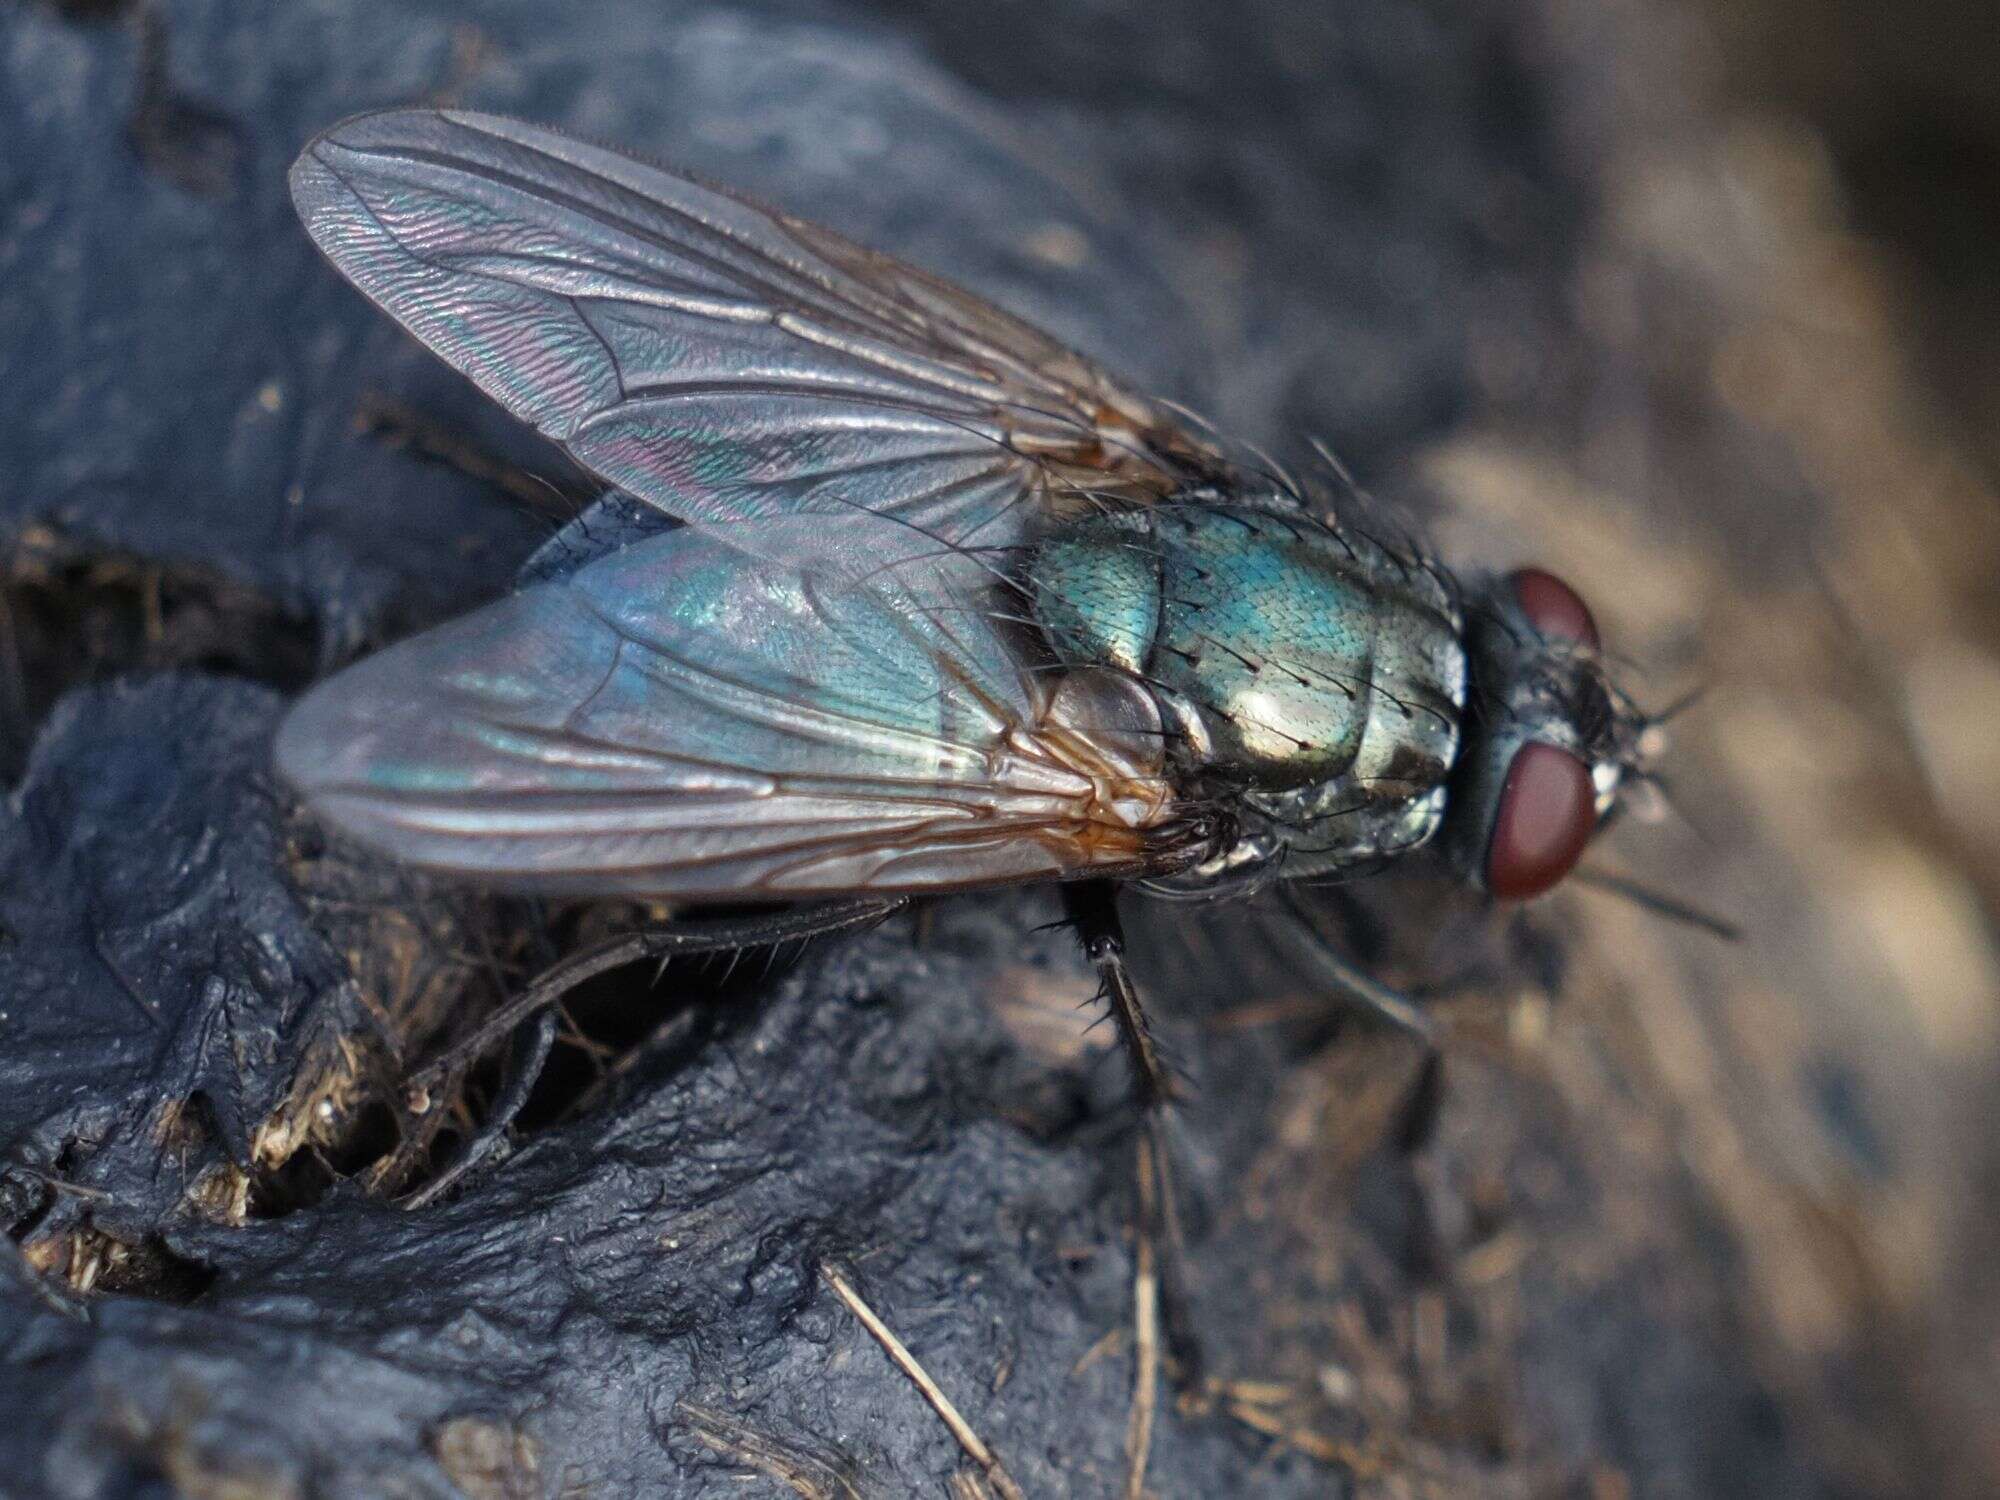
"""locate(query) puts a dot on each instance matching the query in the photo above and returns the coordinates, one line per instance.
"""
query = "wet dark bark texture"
(1697, 1221)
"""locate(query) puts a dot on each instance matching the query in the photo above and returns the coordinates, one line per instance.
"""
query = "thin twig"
(900, 1356)
(1110, 1343)
(1362, 1461)
(1145, 1339)
(56, 1184)
(806, 1474)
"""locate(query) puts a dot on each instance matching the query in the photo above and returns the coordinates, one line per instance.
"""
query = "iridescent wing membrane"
(714, 358)
(812, 687)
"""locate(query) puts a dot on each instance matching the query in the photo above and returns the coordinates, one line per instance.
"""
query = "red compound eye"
(1548, 810)
(1553, 607)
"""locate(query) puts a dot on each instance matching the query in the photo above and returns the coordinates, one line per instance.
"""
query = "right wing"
(679, 719)
(722, 361)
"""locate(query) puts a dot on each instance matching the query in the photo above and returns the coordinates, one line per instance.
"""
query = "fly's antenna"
(1659, 904)
(1678, 707)
(1663, 789)
(1645, 741)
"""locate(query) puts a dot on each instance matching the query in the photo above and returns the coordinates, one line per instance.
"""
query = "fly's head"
(1549, 740)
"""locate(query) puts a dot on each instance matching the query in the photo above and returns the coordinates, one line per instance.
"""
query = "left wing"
(680, 719)
(720, 360)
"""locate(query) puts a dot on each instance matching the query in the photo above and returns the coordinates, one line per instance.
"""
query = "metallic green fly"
(951, 606)
(893, 594)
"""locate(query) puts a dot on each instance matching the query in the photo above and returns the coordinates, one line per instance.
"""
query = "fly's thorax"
(1095, 589)
(1312, 678)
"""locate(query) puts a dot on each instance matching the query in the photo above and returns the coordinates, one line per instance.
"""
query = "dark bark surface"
(1697, 1221)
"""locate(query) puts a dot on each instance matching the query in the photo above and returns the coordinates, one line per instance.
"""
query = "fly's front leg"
(1092, 908)
(400, 426)
(1417, 1116)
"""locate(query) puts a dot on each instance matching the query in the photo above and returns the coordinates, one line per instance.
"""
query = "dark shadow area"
(70, 617)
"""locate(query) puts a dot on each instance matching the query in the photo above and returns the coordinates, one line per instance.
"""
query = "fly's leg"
(533, 1043)
(1092, 908)
(1416, 1117)
(400, 426)
(1415, 1121)
(424, 1088)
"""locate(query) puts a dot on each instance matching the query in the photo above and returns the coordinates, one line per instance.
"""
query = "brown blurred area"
(1705, 1219)
(1776, 468)
(1906, 101)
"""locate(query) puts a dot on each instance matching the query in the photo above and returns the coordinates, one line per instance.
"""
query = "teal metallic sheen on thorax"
(1263, 628)
(1313, 670)
(1096, 591)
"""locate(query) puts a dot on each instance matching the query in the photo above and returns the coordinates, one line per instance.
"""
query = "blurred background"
(1694, 303)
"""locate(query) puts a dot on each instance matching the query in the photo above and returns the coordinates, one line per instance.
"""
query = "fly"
(892, 594)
